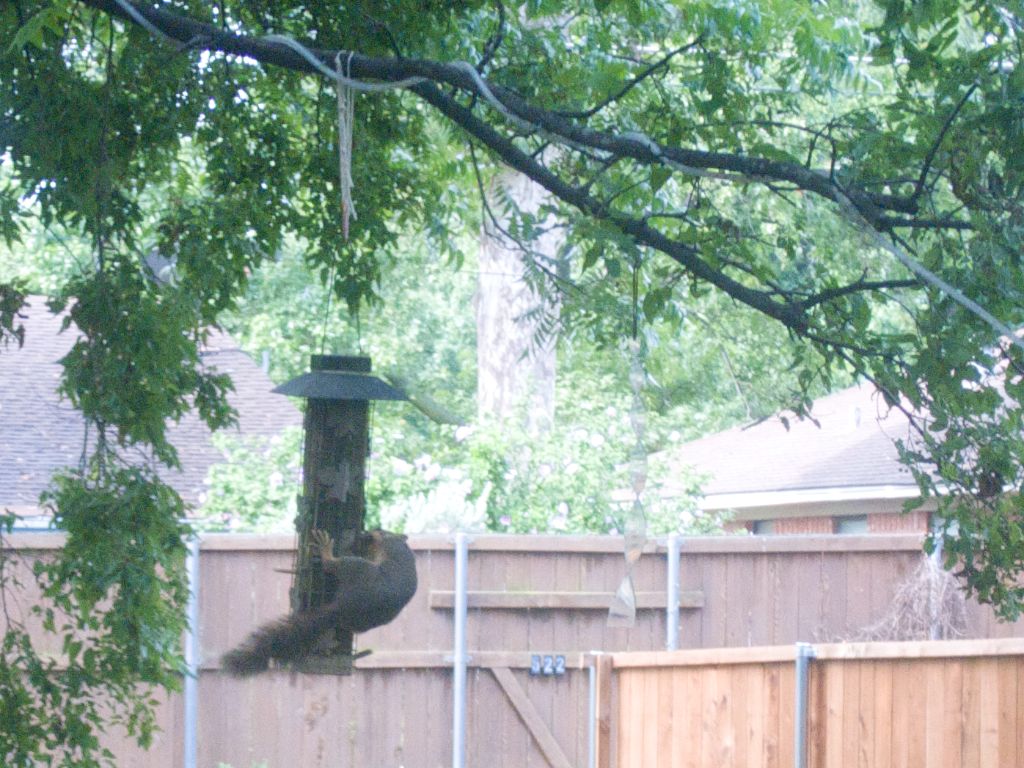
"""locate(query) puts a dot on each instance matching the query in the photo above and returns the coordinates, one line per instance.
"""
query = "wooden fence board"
(739, 577)
(627, 735)
(758, 620)
(758, 710)
(854, 717)
(712, 734)
(785, 603)
(952, 746)
(869, 721)
(536, 725)
(882, 692)
(1009, 722)
(689, 693)
(833, 721)
(1020, 711)
(833, 598)
(970, 716)
(988, 746)
(771, 728)
(807, 580)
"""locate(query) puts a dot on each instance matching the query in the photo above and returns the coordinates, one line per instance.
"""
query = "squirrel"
(371, 591)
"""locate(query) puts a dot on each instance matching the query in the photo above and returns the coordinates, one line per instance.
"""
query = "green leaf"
(33, 32)
(659, 175)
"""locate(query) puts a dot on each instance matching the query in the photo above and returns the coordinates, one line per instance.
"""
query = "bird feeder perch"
(338, 391)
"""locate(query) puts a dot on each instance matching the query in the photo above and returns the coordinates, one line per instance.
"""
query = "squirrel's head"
(373, 544)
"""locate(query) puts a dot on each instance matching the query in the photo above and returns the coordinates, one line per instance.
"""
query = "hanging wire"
(327, 310)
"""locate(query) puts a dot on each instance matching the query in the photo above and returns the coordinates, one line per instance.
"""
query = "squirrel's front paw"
(321, 543)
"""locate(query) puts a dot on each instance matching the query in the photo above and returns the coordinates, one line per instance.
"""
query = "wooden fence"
(945, 704)
(528, 596)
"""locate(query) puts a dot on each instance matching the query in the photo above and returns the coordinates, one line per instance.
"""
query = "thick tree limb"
(687, 256)
(871, 209)
(393, 70)
(463, 77)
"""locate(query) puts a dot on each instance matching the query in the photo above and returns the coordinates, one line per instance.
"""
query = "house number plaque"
(547, 666)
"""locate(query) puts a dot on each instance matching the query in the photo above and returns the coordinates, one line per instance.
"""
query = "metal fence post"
(192, 660)
(592, 712)
(804, 654)
(459, 657)
(672, 594)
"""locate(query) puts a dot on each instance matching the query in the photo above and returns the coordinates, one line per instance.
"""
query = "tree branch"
(637, 146)
(864, 206)
(930, 157)
(894, 222)
(630, 84)
(494, 42)
(858, 287)
(687, 256)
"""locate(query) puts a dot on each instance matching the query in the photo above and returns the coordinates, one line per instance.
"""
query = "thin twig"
(860, 286)
(494, 41)
(662, 63)
(930, 157)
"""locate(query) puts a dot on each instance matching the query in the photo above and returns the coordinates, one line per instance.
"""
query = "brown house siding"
(878, 522)
(802, 525)
(888, 522)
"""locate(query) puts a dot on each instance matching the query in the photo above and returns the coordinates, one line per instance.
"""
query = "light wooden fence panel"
(945, 704)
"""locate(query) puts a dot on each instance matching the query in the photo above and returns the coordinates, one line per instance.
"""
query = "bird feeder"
(338, 391)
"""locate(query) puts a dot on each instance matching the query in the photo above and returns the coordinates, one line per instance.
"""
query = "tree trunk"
(515, 361)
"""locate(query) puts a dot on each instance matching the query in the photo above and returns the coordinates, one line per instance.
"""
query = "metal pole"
(804, 654)
(672, 595)
(592, 712)
(934, 606)
(459, 657)
(192, 660)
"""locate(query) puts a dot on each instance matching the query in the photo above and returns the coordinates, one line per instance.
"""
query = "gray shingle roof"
(854, 447)
(40, 433)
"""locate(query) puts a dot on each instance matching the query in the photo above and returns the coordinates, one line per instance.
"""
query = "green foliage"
(973, 470)
(117, 605)
(126, 593)
(499, 477)
(256, 486)
(133, 333)
(12, 299)
(287, 313)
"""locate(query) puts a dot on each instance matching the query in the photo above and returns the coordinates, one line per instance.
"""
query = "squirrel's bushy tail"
(287, 639)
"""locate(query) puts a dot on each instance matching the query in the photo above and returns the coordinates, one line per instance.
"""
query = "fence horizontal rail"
(926, 649)
(737, 544)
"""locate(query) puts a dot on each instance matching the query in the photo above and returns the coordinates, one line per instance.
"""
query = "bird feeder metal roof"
(339, 377)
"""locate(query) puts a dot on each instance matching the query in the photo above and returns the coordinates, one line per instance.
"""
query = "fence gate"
(547, 686)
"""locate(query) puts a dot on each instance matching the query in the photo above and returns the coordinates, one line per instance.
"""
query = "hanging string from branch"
(622, 612)
(346, 116)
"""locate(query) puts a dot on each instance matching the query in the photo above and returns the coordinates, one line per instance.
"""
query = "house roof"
(41, 433)
(848, 455)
